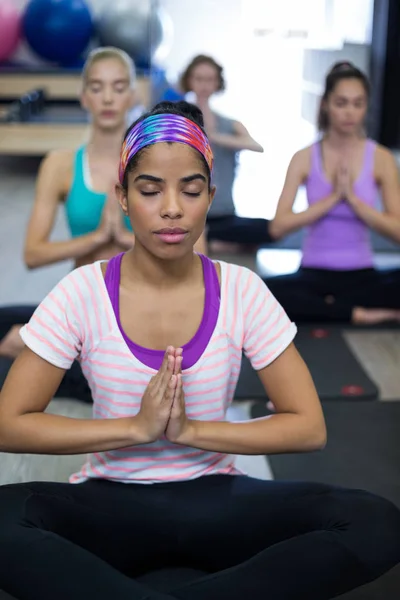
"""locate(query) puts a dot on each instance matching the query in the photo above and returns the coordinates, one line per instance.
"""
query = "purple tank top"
(339, 240)
(193, 350)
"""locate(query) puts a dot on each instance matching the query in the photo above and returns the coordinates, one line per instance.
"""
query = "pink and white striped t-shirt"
(77, 321)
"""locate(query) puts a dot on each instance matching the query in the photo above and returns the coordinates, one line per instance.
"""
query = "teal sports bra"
(83, 206)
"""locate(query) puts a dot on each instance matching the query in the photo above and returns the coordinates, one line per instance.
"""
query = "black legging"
(252, 539)
(73, 385)
(322, 295)
(239, 230)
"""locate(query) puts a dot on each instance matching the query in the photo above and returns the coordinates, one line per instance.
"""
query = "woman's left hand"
(121, 235)
(344, 184)
(179, 426)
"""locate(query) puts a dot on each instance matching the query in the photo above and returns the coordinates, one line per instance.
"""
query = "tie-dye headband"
(164, 128)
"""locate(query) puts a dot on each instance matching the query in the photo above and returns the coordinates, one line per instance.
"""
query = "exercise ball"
(58, 30)
(10, 28)
(137, 28)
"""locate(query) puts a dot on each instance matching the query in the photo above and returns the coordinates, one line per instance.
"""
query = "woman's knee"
(372, 526)
(12, 508)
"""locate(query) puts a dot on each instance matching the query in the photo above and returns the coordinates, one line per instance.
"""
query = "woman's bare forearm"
(235, 142)
(276, 434)
(386, 224)
(289, 222)
(48, 253)
(43, 433)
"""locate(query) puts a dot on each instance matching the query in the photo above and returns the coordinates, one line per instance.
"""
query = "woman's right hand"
(343, 182)
(157, 400)
(106, 227)
(109, 219)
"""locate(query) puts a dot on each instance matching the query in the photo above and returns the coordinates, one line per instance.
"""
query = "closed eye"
(148, 193)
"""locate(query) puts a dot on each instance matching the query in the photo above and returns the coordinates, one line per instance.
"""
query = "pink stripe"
(142, 385)
(110, 352)
(213, 352)
(94, 469)
(273, 353)
(152, 459)
(113, 391)
(55, 318)
(263, 302)
(212, 468)
(128, 382)
(202, 413)
(212, 390)
(173, 465)
(259, 294)
(263, 326)
(201, 402)
(220, 375)
(118, 367)
(62, 308)
(109, 413)
(234, 309)
(234, 360)
(53, 333)
(264, 340)
(194, 472)
(253, 315)
(249, 281)
(106, 299)
(56, 351)
(225, 296)
(71, 328)
(95, 306)
(111, 399)
(87, 321)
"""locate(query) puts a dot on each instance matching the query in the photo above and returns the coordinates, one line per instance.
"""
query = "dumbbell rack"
(25, 93)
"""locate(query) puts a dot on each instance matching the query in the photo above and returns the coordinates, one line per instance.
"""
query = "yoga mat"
(363, 451)
(335, 370)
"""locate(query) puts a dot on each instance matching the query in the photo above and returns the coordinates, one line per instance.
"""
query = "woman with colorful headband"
(159, 331)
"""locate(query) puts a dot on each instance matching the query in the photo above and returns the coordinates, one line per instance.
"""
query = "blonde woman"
(83, 182)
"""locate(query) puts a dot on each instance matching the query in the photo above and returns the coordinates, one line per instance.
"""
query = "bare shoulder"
(55, 173)
(59, 160)
(301, 162)
(384, 154)
(304, 155)
(384, 161)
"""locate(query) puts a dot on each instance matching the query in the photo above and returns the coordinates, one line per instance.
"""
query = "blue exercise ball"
(58, 30)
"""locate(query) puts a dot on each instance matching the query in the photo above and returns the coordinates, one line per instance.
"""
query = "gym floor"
(377, 350)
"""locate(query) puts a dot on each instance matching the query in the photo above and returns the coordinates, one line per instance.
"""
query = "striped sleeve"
(54, 330)
(268, 330)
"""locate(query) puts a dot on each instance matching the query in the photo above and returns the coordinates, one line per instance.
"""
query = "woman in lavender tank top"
(343, 173)
(159, 511)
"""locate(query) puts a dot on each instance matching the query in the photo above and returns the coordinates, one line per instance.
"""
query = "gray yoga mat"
(336, 372)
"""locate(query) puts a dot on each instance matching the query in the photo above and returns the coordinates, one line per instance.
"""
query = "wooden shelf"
(58, 86)
(24, 139)
(37, 139)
